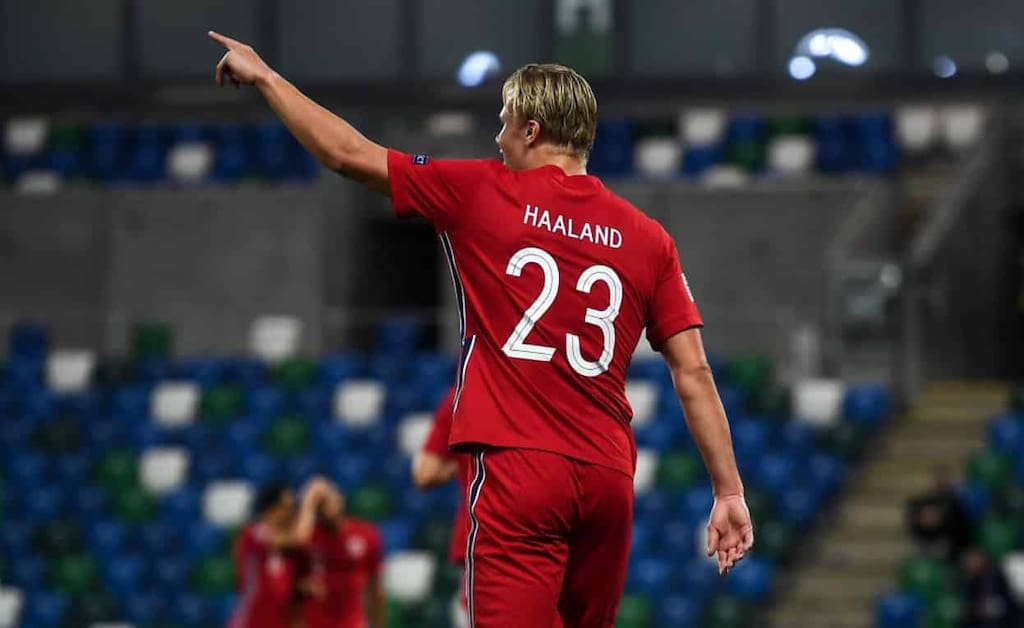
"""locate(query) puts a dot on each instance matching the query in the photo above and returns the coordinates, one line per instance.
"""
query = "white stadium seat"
(702, 127)
(359, 402)
(227, 504)
(69, 371)
(163, 469)
(658, 157)
(26, 135)
(413, 432)
(646, 470)
(818, 401)
(1013, 569)
(962, 125)
(189, 162)
(175, 403)
(457, 614)
(643, 397)
(275, 338)
(408, 576)
(916, 128)
(11, 601)
(38, 183)
(791, 155)
(725, 176)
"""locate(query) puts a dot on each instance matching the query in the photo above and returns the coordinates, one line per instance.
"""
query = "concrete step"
(875, 557)
(859, 618)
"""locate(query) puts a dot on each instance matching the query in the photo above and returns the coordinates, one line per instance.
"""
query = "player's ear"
(532, 131)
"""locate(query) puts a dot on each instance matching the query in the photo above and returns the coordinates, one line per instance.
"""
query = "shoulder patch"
(419, 159)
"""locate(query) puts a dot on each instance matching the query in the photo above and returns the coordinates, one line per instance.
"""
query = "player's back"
(557, 278)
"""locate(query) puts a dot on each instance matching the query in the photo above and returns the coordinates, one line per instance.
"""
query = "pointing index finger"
(223, 39)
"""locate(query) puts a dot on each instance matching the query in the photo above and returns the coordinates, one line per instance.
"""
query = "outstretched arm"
(730, 531)
(330, 139)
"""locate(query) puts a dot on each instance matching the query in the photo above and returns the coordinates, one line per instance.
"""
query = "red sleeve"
(437, 440)
(436, 189)
(672, 307)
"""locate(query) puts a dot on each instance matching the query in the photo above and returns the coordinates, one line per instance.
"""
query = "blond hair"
(559, 99)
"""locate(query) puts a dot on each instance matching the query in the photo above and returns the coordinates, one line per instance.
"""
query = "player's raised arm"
(301, 530)
(334, 142)
(730, 531)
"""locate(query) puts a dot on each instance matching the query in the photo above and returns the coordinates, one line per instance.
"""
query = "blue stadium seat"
(26, 571)
(797, 505)
(330, 440)
(826, 472)
(732, 399)
(975, 499)
(696, 505)
(190, 132)
(124, 575)
(38, 404)
(660, 435)
(335, 369)
(242, 438)
(680, 610)
(699, 159)
(867, 404)
(749, 437)
(26, 469)
(420, 505)
(798, 438)
(67, 163)
(129, 402)
(159, 538)
(206, 371)
(203, 539)
(181, 506)
(84, 406)
(106, 537)
(698, 577)
(103, 434)
(230, 163)
(172, 572)
(16, 165)
(396, 534)
(299, 469)
(653, 506)
(191, 610)
(247, 372)
(155, 369)
(678, 539)
(260, 468)
(43, 502)
(398, 336)
(15, 536)
(144, 434)
(1006, 434)
(141, 608)
(8, 401)
(201, 437)
(88, 501)
(315, 402)
(210, 465)
(651, 575)
(751, 580)
(265, 401)
(44, 609)
(14, 435)
(898, 610)
(643, 534)
(223, 607)
(146, 164)
(774, 472)
(745, 128)
(29, 339)
(350, 471)
(612, 154)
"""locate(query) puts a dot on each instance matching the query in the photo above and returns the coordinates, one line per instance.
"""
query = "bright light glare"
(801, 68)
(944, 67)
(997, 63)
(834, 43)
(477, 67)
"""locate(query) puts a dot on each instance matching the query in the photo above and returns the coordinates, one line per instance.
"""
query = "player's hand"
(240, 64)
(730, 531)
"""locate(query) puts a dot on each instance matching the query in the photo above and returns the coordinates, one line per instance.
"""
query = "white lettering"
(574, 236)
(586, 233)
(545, 221)
(530, 216)
(559, 225)
(616, 238)
(601, 235)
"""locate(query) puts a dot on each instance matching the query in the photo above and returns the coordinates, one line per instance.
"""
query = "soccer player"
(556, 278)
(343, 586)
(267, 556)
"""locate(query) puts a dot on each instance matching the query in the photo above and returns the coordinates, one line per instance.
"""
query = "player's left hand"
(240, 64)
(730, 531)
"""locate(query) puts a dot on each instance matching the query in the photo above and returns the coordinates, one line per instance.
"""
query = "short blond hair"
(559, 99)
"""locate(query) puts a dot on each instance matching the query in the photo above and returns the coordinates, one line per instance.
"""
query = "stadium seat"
(44, 503)
(924, 577)
(227, 504)
(359, 403)
(163, 469)
(698, 160)
(612, 153)
(818, 401)
(191, 610)
(680, 470)
(988, 468)
(751, 580)
(43, 609)
(189, 162)
(961, 126)
(408, 576)
(106, 537)
(26, 135)
(171, 573)
(775, 539)
(413, 432)
(650, 574)
(60, 435)
(69, 371)
(25, 374)
(88, 501)
(286, 436)
(866, 404)
(134, 504)
(791, 155)
(679, 539)
(75, 574)
(774, 472)
(726, 612)
(725, 177)
(275, 338)
(214, 575)
(696, 505)
(797, 506)
(1006, 434)
(643, 398)
(975, 498)
(916, 128)
(898, 610)
(646, 470)
(175, 404)
(1013, 569)
(999, 537)
(117, 469)
(702, 127)
(294, 373)
(335, 369)
(680, 610)
(11, 602)
(58, 537)
(124, 575)
(370, 502)
(27, 571)
(658, 157)
(634, 611)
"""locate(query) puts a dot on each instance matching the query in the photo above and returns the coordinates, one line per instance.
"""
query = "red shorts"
(549, 538)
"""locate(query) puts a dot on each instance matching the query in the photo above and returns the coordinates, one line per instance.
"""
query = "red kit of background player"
(267, 580)
(345, 557)
(555, 278)
(437, 444)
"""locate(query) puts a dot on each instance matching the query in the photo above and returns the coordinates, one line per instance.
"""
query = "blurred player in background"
(268, 556)
(342, 585)
(556, 279)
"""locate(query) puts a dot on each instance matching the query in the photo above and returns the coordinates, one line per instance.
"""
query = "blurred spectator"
(988, 600)
(938, 521)
(343, 587)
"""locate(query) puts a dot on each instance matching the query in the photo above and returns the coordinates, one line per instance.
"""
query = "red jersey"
(556, 277)
(343, 559)
(266, 581)
(437, 444)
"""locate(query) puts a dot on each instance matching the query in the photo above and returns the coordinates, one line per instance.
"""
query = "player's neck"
(571, 165)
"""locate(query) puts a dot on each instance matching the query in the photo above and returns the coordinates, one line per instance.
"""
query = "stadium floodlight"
(477, 68)
(838, 44)
(997, 63)
(944, 67)
(802, 68)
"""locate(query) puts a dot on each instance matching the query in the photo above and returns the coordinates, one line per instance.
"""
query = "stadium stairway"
(859, 549)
